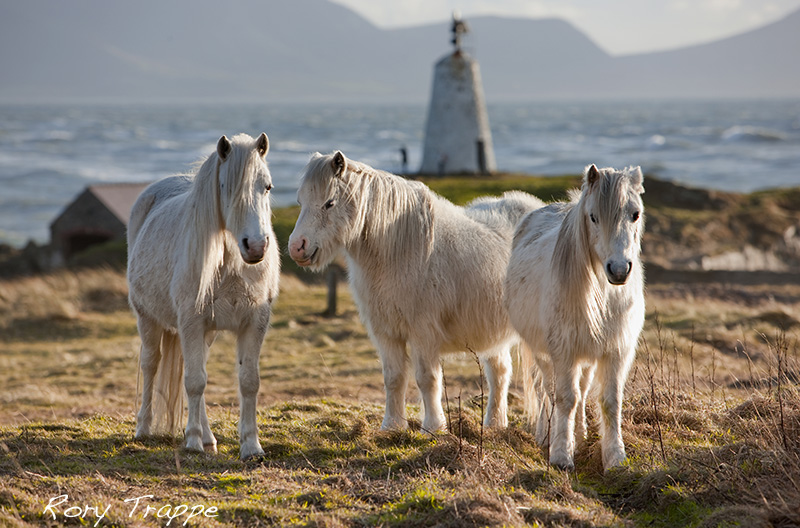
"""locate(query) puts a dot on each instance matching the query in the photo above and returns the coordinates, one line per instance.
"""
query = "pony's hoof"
(563, 463)
(496, 423)
(394, 425)
(195, 445)
(616, 462)
(258, 456)
(210, 448)
(250, 449)
(142, 432)
(565, 466)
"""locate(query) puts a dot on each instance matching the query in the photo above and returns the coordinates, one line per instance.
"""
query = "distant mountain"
(761, 63)
(278, 50)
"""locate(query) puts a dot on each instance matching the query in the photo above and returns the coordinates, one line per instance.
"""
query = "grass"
(729, 423)
(711, 414)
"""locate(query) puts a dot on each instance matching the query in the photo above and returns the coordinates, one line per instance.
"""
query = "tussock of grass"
(711, 423)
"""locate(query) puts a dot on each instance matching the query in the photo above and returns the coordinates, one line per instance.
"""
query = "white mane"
(394, 216)
(205, 228)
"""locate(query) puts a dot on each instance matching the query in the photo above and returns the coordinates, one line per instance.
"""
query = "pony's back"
(505, 212)
(536, 223)
(155, 194)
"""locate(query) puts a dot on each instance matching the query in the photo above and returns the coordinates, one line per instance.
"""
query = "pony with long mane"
(575, 292)
(203, 257)
(427, 275)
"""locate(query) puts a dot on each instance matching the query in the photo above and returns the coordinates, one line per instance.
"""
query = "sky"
(620, 27)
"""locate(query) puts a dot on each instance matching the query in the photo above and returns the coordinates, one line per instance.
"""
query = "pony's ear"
(591, 176)
(339, 163)
(223, 148)
(637, 179)
(262, 145)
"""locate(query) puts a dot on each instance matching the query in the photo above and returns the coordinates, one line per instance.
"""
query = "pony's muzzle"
(254, 250)
(297, 250)
(618, 272)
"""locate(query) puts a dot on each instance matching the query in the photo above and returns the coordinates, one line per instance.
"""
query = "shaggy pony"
(427, 275)
(203, 257)
(575, 294)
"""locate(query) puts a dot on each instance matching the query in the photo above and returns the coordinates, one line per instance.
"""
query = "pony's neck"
(394, 227)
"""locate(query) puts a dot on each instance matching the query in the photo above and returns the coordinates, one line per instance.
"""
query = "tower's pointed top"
(458, 28)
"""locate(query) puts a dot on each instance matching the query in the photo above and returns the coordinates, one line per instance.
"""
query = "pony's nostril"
(630, 267)
(245, 244)
(609, 269)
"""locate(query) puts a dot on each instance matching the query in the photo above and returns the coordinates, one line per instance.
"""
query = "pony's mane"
(573, 257)
(392, 217)
(205, 235)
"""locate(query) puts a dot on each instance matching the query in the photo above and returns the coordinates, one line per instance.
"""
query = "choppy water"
(48, 154)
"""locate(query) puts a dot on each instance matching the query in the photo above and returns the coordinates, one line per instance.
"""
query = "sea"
(50, 153)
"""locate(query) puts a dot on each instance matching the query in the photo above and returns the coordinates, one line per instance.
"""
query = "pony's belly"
(236, 304)
(229, 314)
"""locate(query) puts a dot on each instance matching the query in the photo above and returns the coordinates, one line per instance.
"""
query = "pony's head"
(613, 214)
(329, 213)
(244, 184)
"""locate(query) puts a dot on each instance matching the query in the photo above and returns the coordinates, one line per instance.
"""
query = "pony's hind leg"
(209, 441)
(497, 367)
(428, 374)
(198, 434)
(394, 362)
(149, 358)
(248, 349)
(587, 378)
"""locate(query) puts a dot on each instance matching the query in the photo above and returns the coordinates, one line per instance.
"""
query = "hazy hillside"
(762, 62)
(316, 50)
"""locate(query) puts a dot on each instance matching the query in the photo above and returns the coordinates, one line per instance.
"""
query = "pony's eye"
(330, 203)
(592, 218)
(269, 187)
(635, 216)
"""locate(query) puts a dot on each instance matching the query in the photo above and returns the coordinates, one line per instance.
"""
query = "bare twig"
(654, 401)
(691, 358)
(446, 401)
(480, 371)
(781, 350)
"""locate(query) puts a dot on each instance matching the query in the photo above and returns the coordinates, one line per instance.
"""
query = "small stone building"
(99, 214)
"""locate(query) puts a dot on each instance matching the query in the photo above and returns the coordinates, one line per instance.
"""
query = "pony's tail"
(168, 386)
(535, 395)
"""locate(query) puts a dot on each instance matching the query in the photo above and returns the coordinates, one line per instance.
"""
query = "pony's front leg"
(562, 437)
(248, 350)
(394, 361)
(497, 368)
(195, 354)
(613, 373)
(428, 374)
(544, 414)
(149, 357)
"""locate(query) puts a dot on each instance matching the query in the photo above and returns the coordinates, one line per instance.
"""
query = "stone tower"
(457, 134)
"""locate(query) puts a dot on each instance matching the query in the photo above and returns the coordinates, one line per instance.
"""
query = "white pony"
(574, 292)
(425, 273)
(202, 257)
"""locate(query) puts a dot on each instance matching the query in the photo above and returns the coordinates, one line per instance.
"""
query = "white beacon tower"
(457, 134)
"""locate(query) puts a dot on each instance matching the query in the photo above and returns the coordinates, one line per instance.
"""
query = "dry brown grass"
(722, 363)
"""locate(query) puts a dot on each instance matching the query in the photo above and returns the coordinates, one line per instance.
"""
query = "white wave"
(746, 133)
(656, 141)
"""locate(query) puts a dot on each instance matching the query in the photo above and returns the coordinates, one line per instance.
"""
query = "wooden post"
(332, 279)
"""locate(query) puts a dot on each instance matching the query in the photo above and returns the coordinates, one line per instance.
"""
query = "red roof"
(118, 197)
